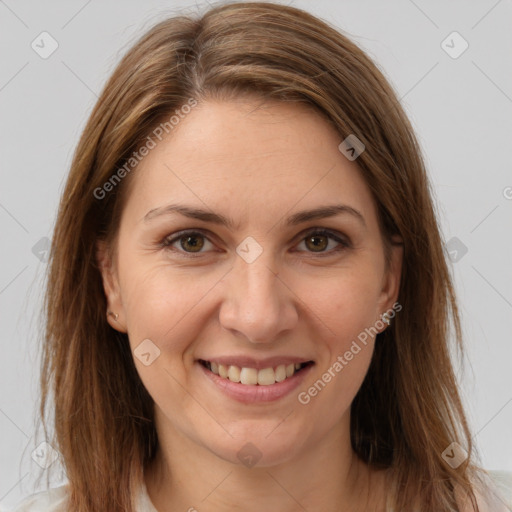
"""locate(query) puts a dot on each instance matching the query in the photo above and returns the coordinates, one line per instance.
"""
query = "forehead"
(246, 158)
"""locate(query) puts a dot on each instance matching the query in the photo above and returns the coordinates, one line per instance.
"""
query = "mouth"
(253, 376)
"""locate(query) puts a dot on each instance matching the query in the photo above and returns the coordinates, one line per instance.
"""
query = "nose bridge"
(258, 305)
(258, 295)
(260, 280)
(255, 266)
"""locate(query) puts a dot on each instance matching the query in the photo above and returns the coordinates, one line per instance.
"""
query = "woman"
(249, 305)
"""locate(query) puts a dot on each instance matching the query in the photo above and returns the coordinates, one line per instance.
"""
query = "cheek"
(170, 309)
(345, 307)
(165, 304)
(345, 301)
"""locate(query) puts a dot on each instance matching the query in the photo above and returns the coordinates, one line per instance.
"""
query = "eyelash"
(171, 239)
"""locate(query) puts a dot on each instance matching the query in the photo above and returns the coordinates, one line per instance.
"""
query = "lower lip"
(249, 394)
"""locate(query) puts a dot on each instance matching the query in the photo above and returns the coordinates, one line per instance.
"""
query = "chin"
(258, 445)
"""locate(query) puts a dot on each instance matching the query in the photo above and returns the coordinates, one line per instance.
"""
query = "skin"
(257, 164)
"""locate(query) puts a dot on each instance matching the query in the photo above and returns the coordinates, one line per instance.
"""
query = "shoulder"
(51, 500)
(56, 500)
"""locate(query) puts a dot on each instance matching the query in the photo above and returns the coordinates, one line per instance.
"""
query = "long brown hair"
(408, 410)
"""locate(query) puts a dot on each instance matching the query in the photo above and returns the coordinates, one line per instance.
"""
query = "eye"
(189, 241)
(317, 240)
(193, 241)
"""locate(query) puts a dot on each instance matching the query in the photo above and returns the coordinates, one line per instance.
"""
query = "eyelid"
(343, 241)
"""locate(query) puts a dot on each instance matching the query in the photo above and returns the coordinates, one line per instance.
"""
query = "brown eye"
(317, 243)
(191, 243)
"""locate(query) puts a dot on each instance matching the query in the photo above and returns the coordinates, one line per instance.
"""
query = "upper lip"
(258, 364)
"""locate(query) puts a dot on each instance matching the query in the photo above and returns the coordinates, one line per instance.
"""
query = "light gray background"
(461, 109)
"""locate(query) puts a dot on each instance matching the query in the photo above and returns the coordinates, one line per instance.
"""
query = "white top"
(54, 500)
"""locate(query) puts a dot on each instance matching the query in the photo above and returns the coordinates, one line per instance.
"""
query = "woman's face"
(251, 282)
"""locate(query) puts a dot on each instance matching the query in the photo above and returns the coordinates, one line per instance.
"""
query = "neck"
(328, 476)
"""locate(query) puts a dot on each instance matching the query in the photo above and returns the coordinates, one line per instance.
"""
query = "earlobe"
(115, 312)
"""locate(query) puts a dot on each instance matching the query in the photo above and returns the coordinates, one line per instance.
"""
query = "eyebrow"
(216, 218)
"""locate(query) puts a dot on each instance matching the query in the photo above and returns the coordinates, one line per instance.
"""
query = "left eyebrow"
(216, 218)
(324, 212)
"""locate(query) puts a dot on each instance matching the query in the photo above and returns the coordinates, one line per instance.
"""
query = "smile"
(253, 376)
(251, 385)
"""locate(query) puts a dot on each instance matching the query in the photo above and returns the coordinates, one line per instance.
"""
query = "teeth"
(252, 376)
(280, 373)
(234, 374)
(266, 377)
(223, 371)
(249, 376)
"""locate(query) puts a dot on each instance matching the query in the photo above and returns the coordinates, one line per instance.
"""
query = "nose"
(258, 305)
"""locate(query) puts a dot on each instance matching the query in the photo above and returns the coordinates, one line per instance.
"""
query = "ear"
(111, 287)
(391, 282)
